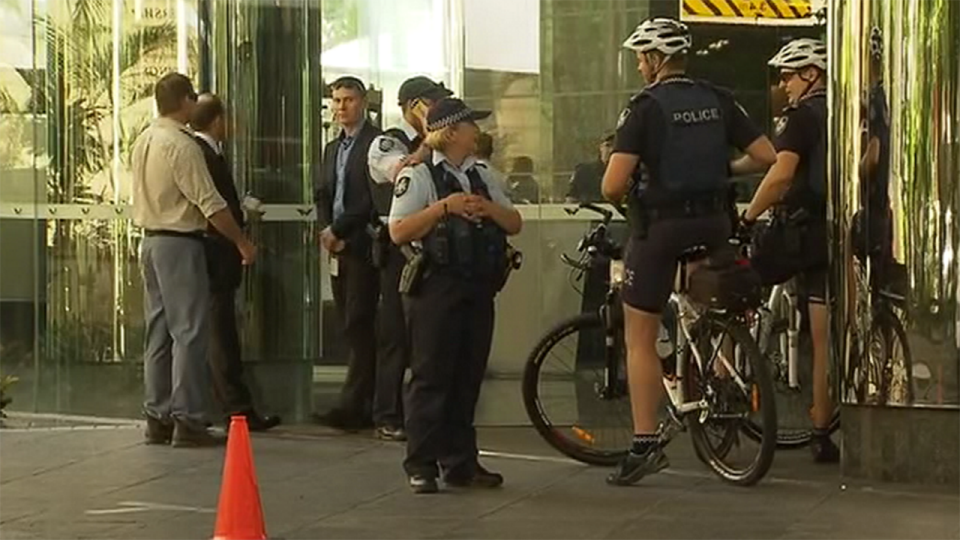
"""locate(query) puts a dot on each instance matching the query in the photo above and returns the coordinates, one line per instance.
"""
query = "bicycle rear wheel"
(566, 395)
(731, 403)
(896, 378)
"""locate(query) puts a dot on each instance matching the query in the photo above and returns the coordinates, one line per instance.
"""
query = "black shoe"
(158, 431)
(342, 420)
(255, 422)
(823, 450)
(390, 433)
(423, 484)
(635, 466)
(482, 478)
(188, 436)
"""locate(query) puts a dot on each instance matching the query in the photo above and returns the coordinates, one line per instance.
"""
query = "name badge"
(334, 265)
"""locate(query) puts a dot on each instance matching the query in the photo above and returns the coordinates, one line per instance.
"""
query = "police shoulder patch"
(386, 144)
(403, 184)
(623, 118)
(782, 124)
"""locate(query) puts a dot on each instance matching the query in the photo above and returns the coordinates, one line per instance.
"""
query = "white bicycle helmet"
(668, 36)
(801, 53)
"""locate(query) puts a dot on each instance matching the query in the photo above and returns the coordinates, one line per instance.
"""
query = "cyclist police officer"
(798, 181)
(389, 153)
(676, 136)
(456, 210)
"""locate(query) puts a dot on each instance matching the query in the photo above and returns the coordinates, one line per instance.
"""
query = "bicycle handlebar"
(597, 209)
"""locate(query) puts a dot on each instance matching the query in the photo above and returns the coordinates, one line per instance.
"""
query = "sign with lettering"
(756, 12)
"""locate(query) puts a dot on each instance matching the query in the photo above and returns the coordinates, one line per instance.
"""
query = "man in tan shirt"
(173, 200)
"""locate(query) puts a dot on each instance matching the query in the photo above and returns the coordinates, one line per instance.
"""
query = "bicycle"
(777, 331)
(886, 364)
(714, 376)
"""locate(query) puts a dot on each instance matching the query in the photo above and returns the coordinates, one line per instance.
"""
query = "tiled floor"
(58, 482)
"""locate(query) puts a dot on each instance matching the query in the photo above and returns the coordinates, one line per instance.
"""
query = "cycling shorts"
(650, 266)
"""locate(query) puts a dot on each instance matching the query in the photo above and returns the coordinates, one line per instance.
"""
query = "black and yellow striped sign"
(747, 11)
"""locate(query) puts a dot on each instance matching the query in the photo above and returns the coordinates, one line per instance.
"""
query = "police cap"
(421, 87)
(449, 111)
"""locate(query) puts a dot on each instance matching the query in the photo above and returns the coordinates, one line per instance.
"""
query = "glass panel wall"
(77, 84)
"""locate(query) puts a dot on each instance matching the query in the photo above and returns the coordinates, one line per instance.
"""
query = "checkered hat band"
(458, 116)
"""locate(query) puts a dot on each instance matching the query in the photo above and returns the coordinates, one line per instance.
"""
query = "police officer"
(678, 133)
(457, 212)
(798, 181)
(389, 153)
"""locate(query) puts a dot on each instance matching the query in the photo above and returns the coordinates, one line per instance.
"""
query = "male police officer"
(678, 132)
(798, 181)
(389, 153)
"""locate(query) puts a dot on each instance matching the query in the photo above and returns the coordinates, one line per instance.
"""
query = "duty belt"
(689, 209)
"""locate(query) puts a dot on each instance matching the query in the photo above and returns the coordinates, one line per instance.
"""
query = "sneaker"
(158, 431)
(423, 484)
(481, 478)
(342, 420)
(823, 450)
(390, 433)
(635, 466)
(187, 436)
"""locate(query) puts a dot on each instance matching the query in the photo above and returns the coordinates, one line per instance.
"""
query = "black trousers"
(451, 328)
(226, 368)
(393, 355)
(355, 291)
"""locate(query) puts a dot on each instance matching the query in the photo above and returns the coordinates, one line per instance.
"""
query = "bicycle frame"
(782, 299)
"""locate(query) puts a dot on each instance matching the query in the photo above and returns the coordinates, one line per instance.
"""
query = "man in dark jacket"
(345, 213)
(225, 268)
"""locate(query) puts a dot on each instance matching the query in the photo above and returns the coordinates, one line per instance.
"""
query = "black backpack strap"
(401, 136)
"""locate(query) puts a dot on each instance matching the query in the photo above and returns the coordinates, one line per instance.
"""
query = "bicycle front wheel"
(571, 400)
(731, 376)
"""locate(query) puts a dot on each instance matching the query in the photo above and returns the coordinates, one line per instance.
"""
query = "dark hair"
(209, 108)
(351, 83)
(484, 145)
(522, 165)
(170, 91)
(609, 139)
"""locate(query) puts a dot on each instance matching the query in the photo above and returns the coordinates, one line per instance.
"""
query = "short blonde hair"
(440, 139)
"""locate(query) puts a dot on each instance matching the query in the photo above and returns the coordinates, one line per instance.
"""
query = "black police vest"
(401, 136)
(809, 187)
(695, 157)
(459, 246)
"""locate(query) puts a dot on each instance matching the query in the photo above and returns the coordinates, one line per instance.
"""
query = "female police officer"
(679, 132)
(457, 213)
(797, 181)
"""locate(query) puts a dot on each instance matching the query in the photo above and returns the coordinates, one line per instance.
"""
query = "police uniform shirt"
(386, 153)
(643, 124)
(798, 132)
(415, 191)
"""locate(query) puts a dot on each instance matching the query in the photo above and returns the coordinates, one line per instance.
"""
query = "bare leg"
(644, 371)
(822, 404)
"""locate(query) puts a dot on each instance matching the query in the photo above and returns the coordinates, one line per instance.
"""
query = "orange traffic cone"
(239, 514)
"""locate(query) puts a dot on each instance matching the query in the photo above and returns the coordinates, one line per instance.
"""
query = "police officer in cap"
(389, 153)
(677, 133)
(798, 181)
(455, 210)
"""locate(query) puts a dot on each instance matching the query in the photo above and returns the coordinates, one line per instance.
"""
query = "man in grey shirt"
(174, 198)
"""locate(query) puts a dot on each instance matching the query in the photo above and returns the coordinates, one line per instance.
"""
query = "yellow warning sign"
(760, 12)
